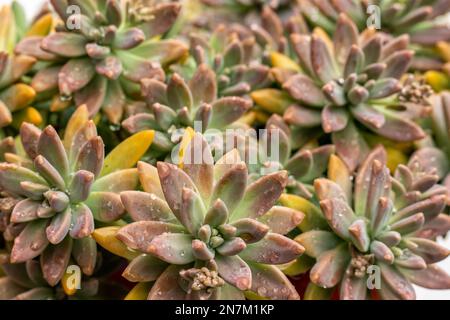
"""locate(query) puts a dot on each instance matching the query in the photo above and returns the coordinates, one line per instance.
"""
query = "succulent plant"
(377, 222)
(202, 233)
(271, 150)
(15, 96)
(416, 18)
(231, 52)
(63, 185)
(435, 157)
(25, 281)
(178, 104)
(348, 85)
(99, 55)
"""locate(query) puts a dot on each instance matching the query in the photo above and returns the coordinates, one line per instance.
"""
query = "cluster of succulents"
(224, 149)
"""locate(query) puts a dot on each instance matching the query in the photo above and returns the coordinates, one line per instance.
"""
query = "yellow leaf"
(339, 173)
(248, 118)
(58, 104)
(437, 80)
(280, 60)
(76, 122)
(187, 137)
(41, 27)
(106, 237)
(261, 116)
(250, 295)
(314, 292)
(128, 153)
(69, 290)
(139, 292)
(272, 100)
(299, 266)
(313, 215)
(443, 49)
(394, 158)
(29, 114)
(18, 96)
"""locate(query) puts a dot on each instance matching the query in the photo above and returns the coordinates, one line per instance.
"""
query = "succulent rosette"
(99, 55)
(59, 187)
(416, 18)
(349, 86)
(273, 152)
(376, 222)
(202, 232)
(177, 104)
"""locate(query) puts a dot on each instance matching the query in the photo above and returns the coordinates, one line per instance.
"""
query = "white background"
(32, 6)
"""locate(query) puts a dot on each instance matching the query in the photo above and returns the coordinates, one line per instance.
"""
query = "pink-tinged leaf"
(29, 135)
(317, 242)
(142, 206)
(429, 250)
(54, 261)
(303, 117)
(93, 95)
(91, 155)
(75, 75)
(139, 235)
(31, 241)
(49, 172)
(362, 183)
(399, 129)
(173, 180)
(322, 60)
(164, 15)
(303, 89)
(397, 64)
(192, 211)
(231, 186)
(339, 216)
(396, 283)
(235, 271)
(272, 249)
(334, 119)
(59, 226)
(344, 37)
(46, 79)
(368, 116)
(144, 268)
(105, 206)
(65, 44)
(198, 163)
(31, 46)
(166, 286)
(110, 67)
(433, 277)
(51, 147)
(352, 287)
(84, 251)
(203, 85)
(350, 146)
(82, 223)
(24, 211)
(269, 282)
(227, 110)
(261, 195)
(330, 267)
(282, 220)
(173, 248)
